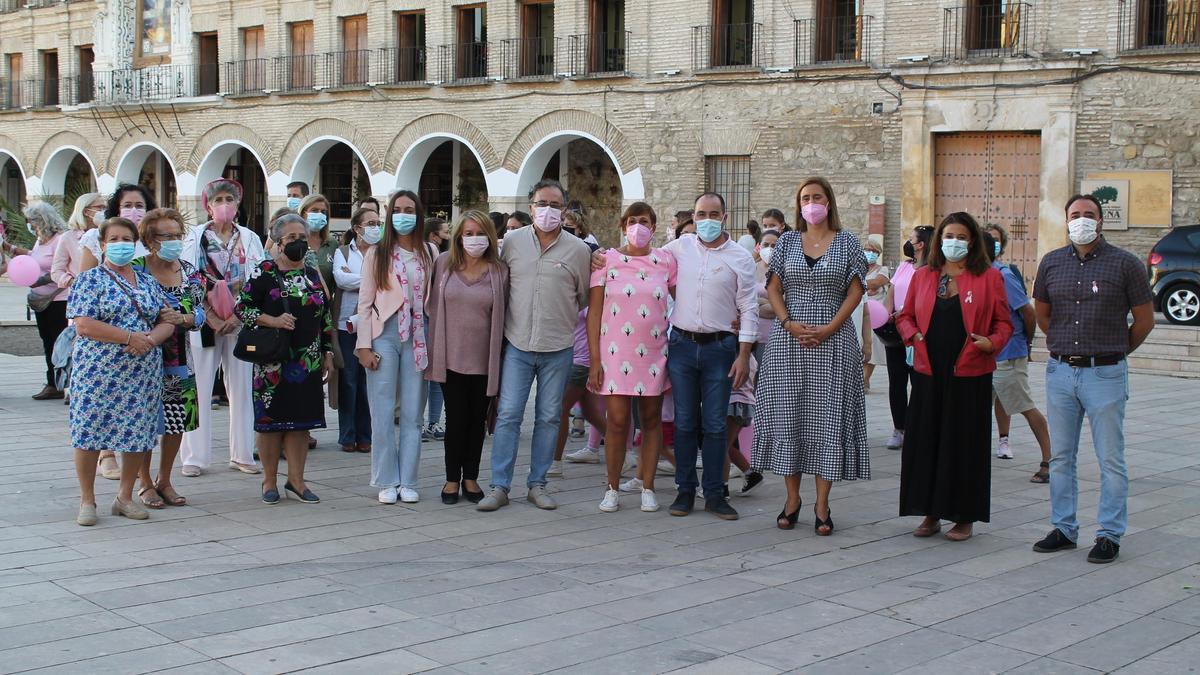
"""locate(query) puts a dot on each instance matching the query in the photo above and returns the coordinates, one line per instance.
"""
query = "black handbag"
(263, 345)
(889, 335)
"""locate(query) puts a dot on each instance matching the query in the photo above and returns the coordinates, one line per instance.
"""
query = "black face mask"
(295, 250)
(909, 251)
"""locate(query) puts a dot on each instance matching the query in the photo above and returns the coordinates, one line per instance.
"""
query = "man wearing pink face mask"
(225, 253)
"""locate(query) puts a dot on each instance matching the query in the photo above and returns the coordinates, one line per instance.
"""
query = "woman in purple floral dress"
(288, 397)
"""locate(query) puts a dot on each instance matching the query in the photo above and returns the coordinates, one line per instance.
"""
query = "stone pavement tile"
(47, 610)
(737, 637)
(1180, 657)
(337, 648)
(1177, 556)
(18, 577)
(722, 612)
(672, 599)
(727, 664)
(814, 645)
(898, 653)
(77, 649)
(394, 661)
(222, 600)
(1158, 593)
(446, 598)
(32, 633)
(1185, 611)
(900, 591)
(1048, 666)
(199, 668)
(982, 658)
(259, 542)
(1005, 616)
(1106, 580)
(1121, 646)
(148, 660)
(658, 658)
(22, 544)
(41, 556)
(298, 630)
(83, 582)
(263, 614)
(455, 650)
(955, 602)
(186, 588)
(24, 594)
(564, 652)
(1063, 630)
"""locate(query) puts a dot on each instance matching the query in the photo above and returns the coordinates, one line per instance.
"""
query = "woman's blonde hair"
(308, 203)
(458, 255)
(78, 221)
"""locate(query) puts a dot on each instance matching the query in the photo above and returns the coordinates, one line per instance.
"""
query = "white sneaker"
(1003, 451)
(735, 472)
(631, 485)
(609, 503)
(190, 471)
(387, 495)
(583, 456)
(665, 468)
(409, 496)
(649, 501)
(555, 469)
(896, 441)
(630, 465)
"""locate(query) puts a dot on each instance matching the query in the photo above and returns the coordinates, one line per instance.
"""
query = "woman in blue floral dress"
(288, 396)
(117, 367)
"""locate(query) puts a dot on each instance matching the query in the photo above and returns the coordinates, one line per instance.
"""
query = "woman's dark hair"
(777, 215)
(754, 230)
(976, 261)
(638, 209)
(113, 208)
(833, 221)
(498, 221)
(989, 246)
(432, 224)
(521, 217)
(683, 222)
(383, 250)
(117, 223)
(355, 220)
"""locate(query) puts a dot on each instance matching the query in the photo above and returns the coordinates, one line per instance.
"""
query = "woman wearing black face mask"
(916, 249)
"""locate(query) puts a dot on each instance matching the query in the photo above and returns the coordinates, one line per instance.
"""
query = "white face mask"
(764, 254)
(1083, 231)
(98, 218)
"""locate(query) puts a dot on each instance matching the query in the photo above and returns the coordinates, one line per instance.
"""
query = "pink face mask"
(638, 235)
(133, 215)
(224, 213)
(547, 218)
(475, 246)
(814, 213)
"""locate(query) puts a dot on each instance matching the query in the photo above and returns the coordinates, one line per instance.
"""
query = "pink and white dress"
(633, 330)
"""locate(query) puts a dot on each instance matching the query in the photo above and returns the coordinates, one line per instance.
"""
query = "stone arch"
(55, 167)
(318, 133)
(537, 143)
(129, 142)
(446, 127)
(218, 156)
(10, 149)
(67, 139)
(127, 167)
(223, 134)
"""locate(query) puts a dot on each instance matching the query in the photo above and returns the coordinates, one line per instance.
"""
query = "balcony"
(734, 46)
(464, 63)
(530, 58)
(157, 83)
(999, 30)
(834, 41)
(401, 65)
(247, 77)
(1150, 27)
(597, 54)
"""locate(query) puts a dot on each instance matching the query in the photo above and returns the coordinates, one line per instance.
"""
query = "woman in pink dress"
(627, 339)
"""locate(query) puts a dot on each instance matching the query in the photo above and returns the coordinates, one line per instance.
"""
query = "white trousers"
(197, 445)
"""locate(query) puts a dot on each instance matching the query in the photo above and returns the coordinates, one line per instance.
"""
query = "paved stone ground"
(228, 584)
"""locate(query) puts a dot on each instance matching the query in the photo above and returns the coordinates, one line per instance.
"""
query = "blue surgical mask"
(170, 250)
(119, 253)
(372, 234)
(404, 223)
(708, 230)
(317, 221)
(997, 245)
(954, 249)
(871, 256)
(294, 203)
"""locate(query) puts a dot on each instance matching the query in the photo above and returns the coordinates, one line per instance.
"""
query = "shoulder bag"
(263, 345)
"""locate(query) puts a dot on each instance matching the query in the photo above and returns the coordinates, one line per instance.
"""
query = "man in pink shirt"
(706, 358)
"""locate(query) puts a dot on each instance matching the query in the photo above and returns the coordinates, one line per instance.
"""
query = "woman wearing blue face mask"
(117, 368)
(956, 318)
(315, 212)
(354, 413)
(392, 344)
(162, 231)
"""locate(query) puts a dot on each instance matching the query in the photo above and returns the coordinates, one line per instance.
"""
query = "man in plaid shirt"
(1084, 292)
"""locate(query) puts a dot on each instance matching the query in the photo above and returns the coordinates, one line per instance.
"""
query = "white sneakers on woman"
(611, 502)
(409, 496)
(387, 495)
(649, 501)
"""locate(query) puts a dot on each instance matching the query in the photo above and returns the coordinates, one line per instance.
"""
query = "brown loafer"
(956, 534)
(923, 531)
(48, 393)
(349, 447)
(364, 447)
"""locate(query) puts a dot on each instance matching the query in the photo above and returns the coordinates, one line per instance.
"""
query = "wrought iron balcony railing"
(721, 46)
(599, 53)
(839, 39)
(1001, 30)
(1144, 25)
(528, 57)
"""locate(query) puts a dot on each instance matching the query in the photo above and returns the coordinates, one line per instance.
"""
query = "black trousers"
(898, 376)
(50, 323)
(466, 421)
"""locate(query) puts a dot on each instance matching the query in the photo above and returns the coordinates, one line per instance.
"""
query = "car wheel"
(1181, 304)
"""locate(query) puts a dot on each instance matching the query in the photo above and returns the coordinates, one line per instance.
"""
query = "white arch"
(214, 162)
(412, 164)
(129, 168)
(54, 174)
(309, 160)
(534, 164)
(31, 185)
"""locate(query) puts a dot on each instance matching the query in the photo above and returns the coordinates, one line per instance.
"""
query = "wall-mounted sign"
(1150, 195)
(1114, 201)
(153, 32)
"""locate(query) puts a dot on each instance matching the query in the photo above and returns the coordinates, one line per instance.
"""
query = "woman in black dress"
(288, 399)
(956, 318)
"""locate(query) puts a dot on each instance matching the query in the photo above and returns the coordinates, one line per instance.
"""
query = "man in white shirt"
(707, 359)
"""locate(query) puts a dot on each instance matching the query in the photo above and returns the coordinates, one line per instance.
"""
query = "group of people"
(687, 342)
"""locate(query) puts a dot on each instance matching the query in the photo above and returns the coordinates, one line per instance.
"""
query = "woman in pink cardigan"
(466, 329)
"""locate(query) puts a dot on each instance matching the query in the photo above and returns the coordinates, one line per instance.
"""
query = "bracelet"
(128, 337)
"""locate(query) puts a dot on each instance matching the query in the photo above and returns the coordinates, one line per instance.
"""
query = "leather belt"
(1089, 361)
(701, 338)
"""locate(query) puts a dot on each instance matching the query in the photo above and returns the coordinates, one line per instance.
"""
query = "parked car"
(1174, 266)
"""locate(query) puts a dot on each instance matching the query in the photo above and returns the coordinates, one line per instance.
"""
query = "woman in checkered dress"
(810, 415)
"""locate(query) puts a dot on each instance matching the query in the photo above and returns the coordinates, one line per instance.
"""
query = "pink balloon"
(879, 314)
(24, 270)
(746, 440)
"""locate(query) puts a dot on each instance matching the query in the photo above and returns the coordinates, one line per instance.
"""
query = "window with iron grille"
(729, 176)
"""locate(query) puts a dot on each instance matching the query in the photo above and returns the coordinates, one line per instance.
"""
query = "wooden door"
(50, 78)
(410, 47)
(208, 83)
(254, 59)
(996, 177)
(14, 80)
(355, 56)
(301, 71)
(86, 84)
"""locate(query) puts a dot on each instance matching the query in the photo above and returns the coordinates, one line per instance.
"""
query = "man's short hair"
(548, 183)
(713, 194)
(1090, 198)
(299, 185)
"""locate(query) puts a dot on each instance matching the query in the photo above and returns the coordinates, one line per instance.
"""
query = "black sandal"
(827, 523)
(790, 518)
(1043, 474)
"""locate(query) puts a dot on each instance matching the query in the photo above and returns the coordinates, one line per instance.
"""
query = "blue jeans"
(700, 385)
(394, 461)
(354, 413)
(519, 370)
(435, 403)
(1100, 394)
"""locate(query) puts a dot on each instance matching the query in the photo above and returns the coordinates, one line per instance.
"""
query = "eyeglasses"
(370, 223)
(544, 204)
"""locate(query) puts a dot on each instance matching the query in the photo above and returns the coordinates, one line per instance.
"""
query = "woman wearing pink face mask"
(627, 338)
(466, 329)
(128, 201)
(225, 254)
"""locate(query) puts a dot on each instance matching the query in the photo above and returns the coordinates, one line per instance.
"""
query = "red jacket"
(985, 312)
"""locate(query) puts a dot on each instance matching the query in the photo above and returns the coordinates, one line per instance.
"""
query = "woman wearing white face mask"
(354, 412)
(68, 256)
(766, 314)
(877, 290)
(466, 314)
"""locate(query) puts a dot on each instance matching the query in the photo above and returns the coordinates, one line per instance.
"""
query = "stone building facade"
(912, 108)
